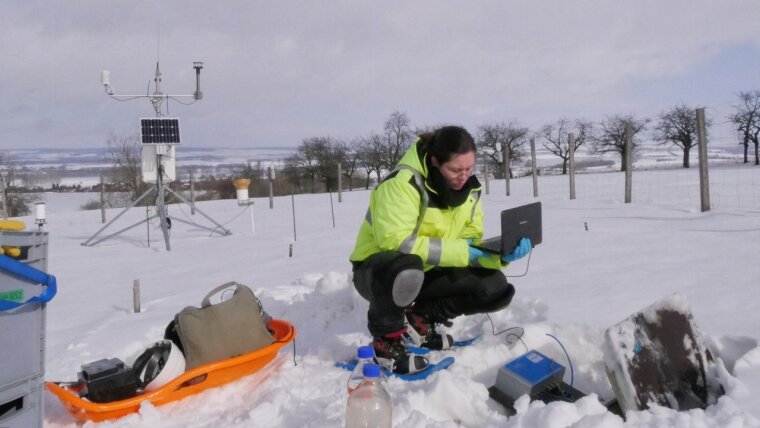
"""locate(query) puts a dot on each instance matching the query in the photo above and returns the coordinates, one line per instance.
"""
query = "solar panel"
(164, 130)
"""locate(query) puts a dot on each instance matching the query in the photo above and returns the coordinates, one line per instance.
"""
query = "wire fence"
(731, 186)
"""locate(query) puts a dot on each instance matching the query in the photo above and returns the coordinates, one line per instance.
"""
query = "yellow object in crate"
(10, 251)
(11, 225)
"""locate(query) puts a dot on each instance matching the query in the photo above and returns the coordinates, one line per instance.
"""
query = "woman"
(413, 261)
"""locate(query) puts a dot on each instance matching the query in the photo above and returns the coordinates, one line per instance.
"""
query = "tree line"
(314, 165)
(316, 159)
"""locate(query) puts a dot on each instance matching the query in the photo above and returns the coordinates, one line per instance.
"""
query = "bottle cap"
(365, 352)
(371, 370)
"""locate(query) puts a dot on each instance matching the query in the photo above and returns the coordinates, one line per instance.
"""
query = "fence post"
(136, 296)
(704, 181)
(147, 224)
(571, 152)
(340, 186)
(628, 161)
(485, 171)
(507, 168)
(4, 194)
(332, 210)
(270, 178)
(533, 166)
(102, 200)
(293, 205)
(192, 193)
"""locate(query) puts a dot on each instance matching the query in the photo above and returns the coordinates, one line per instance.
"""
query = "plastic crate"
(22, 333)
(21, 404)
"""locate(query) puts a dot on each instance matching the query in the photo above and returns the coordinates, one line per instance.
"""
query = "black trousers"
(446, 292)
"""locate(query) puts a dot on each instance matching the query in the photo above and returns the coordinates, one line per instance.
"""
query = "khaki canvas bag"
(231, 328)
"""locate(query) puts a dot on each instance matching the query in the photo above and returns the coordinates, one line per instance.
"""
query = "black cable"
(526, 267)
(178, 101)
(231, 220)
(513, 333)
(126, 99)
(179, 207)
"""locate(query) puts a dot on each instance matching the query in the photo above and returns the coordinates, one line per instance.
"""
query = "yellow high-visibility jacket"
(403, 217)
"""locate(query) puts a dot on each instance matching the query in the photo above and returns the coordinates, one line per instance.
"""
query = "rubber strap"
(31, 274)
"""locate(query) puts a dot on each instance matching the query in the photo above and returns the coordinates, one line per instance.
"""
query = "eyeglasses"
(459, 171)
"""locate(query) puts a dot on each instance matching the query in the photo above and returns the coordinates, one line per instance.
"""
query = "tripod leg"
(161, 212)
(87, 242)
(226, 231)
(123, 230)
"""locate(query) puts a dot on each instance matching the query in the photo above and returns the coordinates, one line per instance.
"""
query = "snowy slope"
(600, 261)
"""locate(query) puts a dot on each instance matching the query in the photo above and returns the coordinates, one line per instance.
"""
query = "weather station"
(159, 138)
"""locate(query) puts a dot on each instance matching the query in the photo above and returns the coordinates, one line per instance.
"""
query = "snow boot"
(422, 332)
(393, 355)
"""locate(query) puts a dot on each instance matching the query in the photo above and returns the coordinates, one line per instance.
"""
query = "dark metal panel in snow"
(658, 356)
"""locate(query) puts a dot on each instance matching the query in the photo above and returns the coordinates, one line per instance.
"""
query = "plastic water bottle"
(369, 405)
(364, 355)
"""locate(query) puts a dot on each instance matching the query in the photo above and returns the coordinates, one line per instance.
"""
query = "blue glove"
(474, 252)
(522, 250)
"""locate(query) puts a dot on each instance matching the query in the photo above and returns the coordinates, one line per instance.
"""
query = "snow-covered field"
(600, 261)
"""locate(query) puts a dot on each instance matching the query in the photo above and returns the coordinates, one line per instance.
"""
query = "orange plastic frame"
(191, 382)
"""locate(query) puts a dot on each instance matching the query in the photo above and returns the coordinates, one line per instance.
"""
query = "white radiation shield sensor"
(105, 77)
(40, 211)
(150, 162)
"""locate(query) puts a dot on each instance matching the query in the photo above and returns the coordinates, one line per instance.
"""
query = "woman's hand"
(475, 253)
(522, 250)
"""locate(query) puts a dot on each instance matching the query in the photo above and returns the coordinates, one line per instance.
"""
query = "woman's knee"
(375, 277)
(496, 292)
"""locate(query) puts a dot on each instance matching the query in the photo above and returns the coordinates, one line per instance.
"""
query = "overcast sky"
(276, 72)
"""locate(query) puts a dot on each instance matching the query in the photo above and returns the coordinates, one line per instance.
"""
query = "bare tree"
(371, 156)
(294, 172)
(556, 137)
(305, 161)
(610, 138)
(397, 136)
(350, 163)
(678, 127)
(125, 154)
(14, 203)
(500, 137)
(317, 159)
(746, 120)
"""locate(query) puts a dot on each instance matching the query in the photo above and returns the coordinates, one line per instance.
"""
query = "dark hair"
(445, 142)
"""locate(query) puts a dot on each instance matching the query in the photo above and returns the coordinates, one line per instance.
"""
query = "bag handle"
(207, 300)
(29, 273)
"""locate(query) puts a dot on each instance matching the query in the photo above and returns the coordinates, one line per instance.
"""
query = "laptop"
(516, 223)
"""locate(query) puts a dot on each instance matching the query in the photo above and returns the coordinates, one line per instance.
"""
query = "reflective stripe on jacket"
(402, 218)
